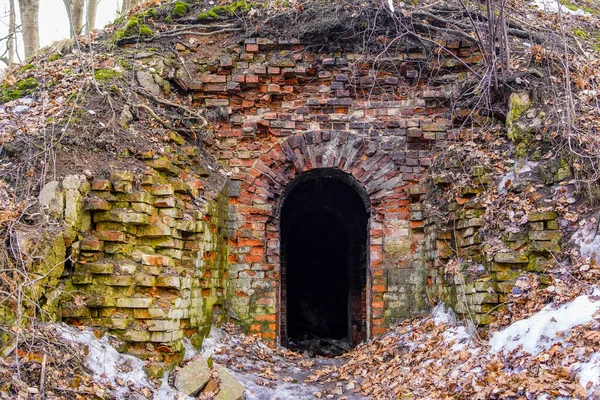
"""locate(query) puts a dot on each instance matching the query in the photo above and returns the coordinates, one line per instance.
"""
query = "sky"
(53, 20)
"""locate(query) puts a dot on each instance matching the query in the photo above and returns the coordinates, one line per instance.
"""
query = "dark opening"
(323, 248)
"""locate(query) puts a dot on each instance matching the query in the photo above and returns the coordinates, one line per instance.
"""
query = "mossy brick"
(121, 176)
(155, 230)
(110, 236)
(162, 242)
(144, 280)
(483, 298)
(122, 187)
(142, 207)
(122, 216)
(161, 190)
(135, 197)
(544, 246)
(166, 166)
(91, 245)
(151, 178)
(82, 279)
(151, 269)
(175, 137)
(505, 287)
(72, 311)
(136, 336)
(118, 323)
(511, 258)
(484, 319)
(484, 286)
(546, 235)
(134, 302)
(96, 204)
(552, 225)
(95, 268)
(162, 325)
(175, 254)
(165, 202)
(114, 280)
(117, 248)
(168, 281)
(186, 225)
(536, 226)
(508, 275)
(175, 213)
(542, 215)
(101, 185)
(156, 260)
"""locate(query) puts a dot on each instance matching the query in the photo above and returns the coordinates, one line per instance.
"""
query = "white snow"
(551, 6)
(539, 332)
(590, 372)
(588, 240)
(108, 365)
(391, 5)
(460, 334)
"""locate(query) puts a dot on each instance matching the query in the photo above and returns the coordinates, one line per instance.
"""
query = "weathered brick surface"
(289, 110)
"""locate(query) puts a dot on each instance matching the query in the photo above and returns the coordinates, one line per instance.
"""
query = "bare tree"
(29, 18)
(91, 11)
(76, 9)
(12, 32)
(128, 5)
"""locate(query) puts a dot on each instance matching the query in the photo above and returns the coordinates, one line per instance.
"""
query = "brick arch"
(255, 247)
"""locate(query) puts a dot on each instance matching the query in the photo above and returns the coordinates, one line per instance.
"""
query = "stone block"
(542, 215)
(554, 235)
(95, 268)
(162, 325)
(96, 204)
(136, 336)
(123, 216)
(134, 302)
(92, 245)
(168, 281)
(511, 258)
(155, 230)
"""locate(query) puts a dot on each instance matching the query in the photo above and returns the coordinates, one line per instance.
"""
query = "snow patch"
(588, 240)
(539, 331)
(551, 6)
(590, 372)
(107, 364)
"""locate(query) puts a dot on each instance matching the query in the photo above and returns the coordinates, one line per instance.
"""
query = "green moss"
(169, 20)
(103, 75)
(237, 7)
(26, 67)
(581, 33)
(179, 9)
(208, 15)
(145, 30)
(26, 84)
(135, 26)
(19, 89)
(517, 105)
(54, 57)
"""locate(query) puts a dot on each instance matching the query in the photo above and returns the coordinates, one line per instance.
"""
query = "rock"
(126, 117)
(74, 182)
(229, 388)
(52, 199)
(146, 79)
(193, 377)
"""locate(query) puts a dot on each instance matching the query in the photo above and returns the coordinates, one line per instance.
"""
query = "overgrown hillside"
(512, 196)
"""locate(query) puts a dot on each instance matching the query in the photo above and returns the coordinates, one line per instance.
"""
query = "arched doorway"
(324, 228)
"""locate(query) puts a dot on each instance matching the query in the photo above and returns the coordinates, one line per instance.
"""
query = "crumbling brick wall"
(286, 109)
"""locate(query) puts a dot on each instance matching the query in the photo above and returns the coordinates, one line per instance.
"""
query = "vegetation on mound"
(238, 7)
(17, 90)
(179, 9)
(136, 25)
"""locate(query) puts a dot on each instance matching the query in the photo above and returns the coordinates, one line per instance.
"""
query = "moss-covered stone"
(103, 75)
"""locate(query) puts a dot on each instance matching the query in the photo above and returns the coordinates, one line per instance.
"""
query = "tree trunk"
(92, 8)
(77, 7)
(128, 5)
(11, 32)
(29, 18)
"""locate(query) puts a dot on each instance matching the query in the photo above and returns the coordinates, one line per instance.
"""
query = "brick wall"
(283, 110)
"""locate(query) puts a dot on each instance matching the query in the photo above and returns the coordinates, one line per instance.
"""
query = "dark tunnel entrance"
(324, 251)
